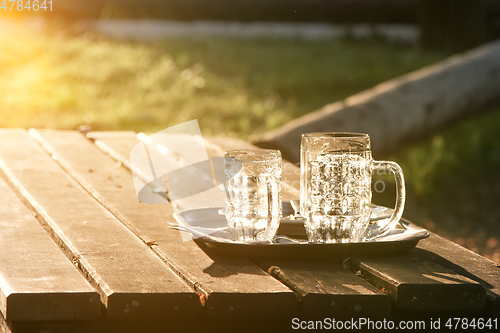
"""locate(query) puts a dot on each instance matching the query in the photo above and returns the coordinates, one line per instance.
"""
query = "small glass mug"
(335, 187)
(253, 193)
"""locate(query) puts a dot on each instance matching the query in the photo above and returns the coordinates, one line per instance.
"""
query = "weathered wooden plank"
(472, 265)
(132, 280)
(228, 288)
(4, 326)
(331, 290)
(415, 283)
(37, 282)
(249, 324)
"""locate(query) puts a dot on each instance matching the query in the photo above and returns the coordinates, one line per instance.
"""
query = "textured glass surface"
(338, 204)
(335, 187)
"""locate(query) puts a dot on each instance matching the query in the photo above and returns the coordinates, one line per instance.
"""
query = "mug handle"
(400, 194)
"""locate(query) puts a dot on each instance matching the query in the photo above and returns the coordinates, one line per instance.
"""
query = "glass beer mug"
(335, 189)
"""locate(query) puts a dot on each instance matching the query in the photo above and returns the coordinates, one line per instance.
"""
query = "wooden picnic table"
(80, 253)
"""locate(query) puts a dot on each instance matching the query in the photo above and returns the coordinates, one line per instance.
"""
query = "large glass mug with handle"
(335, 187)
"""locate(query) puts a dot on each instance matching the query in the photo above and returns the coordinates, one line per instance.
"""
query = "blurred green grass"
(452, 160)
(236, 87)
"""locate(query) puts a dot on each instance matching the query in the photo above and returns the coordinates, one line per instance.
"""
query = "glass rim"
(253, 154)
(340, 135)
